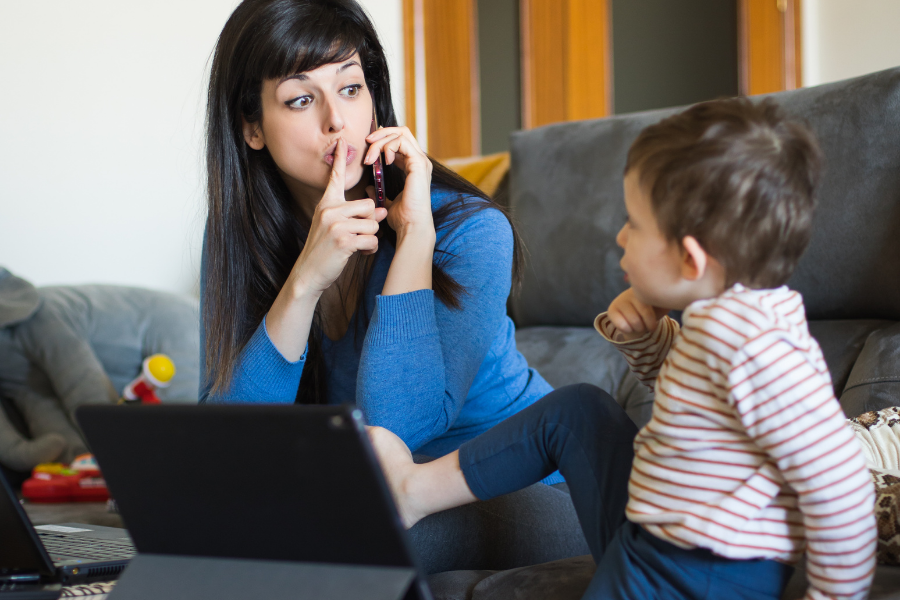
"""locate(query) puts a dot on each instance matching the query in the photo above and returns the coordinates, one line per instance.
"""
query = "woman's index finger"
(334, 192)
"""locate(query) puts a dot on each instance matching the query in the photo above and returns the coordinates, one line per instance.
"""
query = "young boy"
(746, 462)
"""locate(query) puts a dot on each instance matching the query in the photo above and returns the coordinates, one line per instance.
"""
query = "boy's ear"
(253, 134)
(694, 259)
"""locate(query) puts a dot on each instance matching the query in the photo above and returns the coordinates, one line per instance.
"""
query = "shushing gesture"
(632, 317)
(339, 229)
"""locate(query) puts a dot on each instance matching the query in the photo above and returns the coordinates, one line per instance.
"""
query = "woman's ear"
(253, 135)
(694, 259)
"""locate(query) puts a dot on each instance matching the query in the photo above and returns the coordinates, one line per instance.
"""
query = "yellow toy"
(157, 372)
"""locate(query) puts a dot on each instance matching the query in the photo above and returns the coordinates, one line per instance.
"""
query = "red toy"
(156, 372)
(55, 482)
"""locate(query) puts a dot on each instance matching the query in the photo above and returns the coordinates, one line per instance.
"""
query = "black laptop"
(275, 483)
(35, 558)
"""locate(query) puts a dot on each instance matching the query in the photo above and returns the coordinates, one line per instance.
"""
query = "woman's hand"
(633, 318)
(339, 229)
(410, 212)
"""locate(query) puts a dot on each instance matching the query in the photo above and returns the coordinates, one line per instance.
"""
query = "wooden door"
(442, 90)
(770, 46)
(565, 60)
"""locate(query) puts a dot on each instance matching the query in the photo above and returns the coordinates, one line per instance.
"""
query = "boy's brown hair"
(737, 176)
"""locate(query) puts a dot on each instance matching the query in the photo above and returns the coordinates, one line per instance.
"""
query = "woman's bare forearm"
(411, 267)
(289, 320)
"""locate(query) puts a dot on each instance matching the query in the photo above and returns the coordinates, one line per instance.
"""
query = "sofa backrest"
(566, 196)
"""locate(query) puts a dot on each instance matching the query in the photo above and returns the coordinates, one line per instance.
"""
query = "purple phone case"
(378, 172)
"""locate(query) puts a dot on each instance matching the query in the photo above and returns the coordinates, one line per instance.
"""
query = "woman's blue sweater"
(434, 375)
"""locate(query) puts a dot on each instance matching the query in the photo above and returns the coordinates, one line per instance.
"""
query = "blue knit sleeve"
(261, 373)
(420, 356)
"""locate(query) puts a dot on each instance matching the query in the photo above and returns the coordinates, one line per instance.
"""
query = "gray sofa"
(565, 192)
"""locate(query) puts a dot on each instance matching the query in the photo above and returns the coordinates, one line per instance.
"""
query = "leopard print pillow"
(879, 435)
(886, 417)
(887, 516)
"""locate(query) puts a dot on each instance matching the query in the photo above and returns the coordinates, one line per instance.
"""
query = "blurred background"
(102, 104)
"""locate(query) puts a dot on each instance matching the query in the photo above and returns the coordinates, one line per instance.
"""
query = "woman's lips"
(329, 155)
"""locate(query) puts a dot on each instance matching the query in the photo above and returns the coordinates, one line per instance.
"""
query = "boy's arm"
(645, 354)
(788, 408)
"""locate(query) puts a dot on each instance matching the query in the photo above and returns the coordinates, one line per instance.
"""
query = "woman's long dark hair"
(254, 233)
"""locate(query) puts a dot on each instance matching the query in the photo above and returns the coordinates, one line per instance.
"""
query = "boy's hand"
(633, 318)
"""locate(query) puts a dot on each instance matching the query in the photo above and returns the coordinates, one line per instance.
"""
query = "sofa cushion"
(567, 355)
(564, 579)
(841, 343)
(566, 194)
(124, 325)
(455, 585)
(874, 381)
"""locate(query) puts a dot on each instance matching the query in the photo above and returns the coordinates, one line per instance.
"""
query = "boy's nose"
(622, 236)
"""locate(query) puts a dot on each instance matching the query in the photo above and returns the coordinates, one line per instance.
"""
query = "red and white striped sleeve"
(783, 396)
(646, 354)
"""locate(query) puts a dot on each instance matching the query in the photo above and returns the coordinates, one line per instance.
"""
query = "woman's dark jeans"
(538, 523)
(578, 429)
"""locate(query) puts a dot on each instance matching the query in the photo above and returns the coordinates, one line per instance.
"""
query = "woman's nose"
(334, 120)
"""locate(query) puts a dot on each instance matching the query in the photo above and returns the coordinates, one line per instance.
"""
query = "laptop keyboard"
(63, 545)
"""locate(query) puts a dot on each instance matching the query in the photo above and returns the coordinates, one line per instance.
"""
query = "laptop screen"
(285, 482)
(20, 551)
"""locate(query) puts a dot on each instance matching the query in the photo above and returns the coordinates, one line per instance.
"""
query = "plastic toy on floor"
(62, 347)
(80, 481)
(157, 371)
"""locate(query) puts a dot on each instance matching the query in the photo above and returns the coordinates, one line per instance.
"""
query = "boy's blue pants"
(581, 431)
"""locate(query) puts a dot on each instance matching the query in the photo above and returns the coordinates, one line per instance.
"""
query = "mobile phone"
(378, 170)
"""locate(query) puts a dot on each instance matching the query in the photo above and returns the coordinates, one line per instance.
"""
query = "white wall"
(846, 38)
(101, 114)
(388, 18)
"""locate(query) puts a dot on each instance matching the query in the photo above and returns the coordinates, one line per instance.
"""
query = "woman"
(311, 293)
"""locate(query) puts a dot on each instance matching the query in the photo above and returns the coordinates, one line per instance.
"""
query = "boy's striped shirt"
(747, 453)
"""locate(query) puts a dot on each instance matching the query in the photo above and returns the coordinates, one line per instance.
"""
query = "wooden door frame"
(443, 107)
(555, 55)
(770, 30)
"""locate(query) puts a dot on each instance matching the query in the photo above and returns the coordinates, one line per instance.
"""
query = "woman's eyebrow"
(303, 76)
(347, 65)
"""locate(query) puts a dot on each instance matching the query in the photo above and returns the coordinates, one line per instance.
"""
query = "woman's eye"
(301, 102)
(352, 90)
